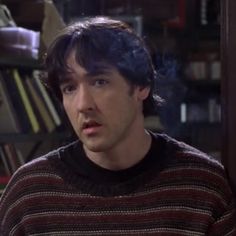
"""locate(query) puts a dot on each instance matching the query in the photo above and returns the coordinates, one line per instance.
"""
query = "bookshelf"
(200, 110)
(18, 62)
(18, 138)
(192, 76)
(42, 131)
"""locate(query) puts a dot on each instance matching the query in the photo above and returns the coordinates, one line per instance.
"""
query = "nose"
(84, 100)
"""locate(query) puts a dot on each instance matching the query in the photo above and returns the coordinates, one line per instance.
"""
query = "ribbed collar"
(79, 170)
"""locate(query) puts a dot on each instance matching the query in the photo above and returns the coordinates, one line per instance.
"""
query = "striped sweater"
(174, 190)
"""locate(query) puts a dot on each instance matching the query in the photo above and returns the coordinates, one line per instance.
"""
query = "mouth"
(91, 127)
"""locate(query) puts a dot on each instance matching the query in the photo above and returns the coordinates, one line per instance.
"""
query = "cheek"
(118, 107)
(65, 106)
(68, 109)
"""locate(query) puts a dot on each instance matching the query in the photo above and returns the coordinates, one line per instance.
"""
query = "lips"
(90, 124)
(91, 127)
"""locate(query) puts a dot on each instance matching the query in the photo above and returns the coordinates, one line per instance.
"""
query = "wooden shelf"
(202, 124)
(18, 138)
(206, 83)
(20, 63)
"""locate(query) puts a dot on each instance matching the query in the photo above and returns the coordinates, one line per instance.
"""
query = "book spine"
(17, 101)
(47, 100)
(29, 110)
(5, 162)
(9, 122)
(50, 125)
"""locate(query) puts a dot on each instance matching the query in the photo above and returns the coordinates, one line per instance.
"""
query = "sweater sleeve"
(14, 202)
(225, 211)
(11, 210)
(225, 224)
(223, 201)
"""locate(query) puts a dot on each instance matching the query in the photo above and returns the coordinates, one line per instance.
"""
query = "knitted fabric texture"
(175, 190)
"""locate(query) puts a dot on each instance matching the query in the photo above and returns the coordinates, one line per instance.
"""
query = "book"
(11, 155)
(195, 112)
(8, 119)
(48, 121)
(214, 109)
(17, 102)
(42, 127)
(27, 104)
(47, 98)
(5, 169)
(209, 12)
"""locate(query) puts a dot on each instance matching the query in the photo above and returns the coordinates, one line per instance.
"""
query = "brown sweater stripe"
(189, 195)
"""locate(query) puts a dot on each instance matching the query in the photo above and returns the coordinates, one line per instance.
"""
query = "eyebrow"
(99, 72)
(66, 77)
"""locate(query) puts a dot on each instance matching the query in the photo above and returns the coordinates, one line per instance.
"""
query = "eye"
(68, 88)
(100, 82)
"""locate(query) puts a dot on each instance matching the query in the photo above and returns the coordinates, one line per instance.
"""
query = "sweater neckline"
(78, 170)
(102, 175)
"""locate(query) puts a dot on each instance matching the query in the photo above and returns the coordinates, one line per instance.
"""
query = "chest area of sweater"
(143, 213)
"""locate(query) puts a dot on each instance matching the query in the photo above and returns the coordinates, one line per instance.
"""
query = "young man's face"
(103, 109)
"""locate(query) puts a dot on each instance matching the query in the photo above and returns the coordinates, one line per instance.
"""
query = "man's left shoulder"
(181, 154)
(198, 158)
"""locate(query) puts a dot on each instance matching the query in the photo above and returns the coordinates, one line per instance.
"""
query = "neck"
(126, 154)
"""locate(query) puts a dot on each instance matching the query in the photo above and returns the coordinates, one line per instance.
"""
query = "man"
(117, 178)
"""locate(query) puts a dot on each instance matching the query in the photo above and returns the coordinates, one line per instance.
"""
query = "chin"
(96, 147)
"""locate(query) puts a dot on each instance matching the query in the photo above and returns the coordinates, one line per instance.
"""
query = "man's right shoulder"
(44, 161)
(40, 167)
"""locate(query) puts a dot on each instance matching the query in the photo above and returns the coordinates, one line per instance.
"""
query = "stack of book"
(208, 112)
(26, 105)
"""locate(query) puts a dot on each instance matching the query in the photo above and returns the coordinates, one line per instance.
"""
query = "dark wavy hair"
(98, 43)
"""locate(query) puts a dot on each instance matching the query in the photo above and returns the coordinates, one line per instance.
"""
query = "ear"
(142, 92)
